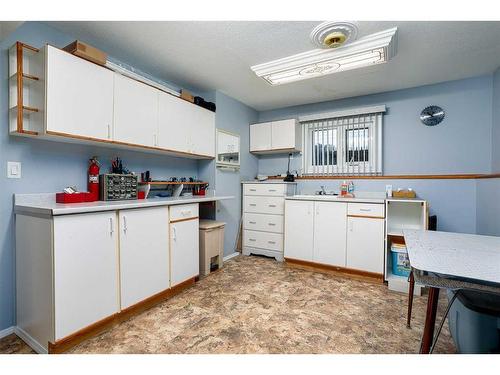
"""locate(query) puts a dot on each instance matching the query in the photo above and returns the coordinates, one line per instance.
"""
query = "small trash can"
(211, 246)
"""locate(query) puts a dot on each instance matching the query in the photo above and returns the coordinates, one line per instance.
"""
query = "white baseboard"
(6, 332)
(230, 256)
(35, 345)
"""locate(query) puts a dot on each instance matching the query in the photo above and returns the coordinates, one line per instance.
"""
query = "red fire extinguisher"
(93, 185)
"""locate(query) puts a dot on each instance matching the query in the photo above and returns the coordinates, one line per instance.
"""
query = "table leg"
(411, 289)
(430, 320)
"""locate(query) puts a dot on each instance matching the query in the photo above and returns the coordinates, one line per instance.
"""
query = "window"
(343, 145)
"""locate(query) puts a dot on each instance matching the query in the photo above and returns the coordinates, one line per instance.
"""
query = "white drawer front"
(365, 209)
(263, 240)
(266, 223)
(276, 190)
(183, 211)
(264, 205)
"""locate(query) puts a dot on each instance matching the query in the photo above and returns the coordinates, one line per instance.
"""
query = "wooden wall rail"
(470, 176)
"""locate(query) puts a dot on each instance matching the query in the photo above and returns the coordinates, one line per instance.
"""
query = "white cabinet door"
(202, 131)
(184, 251)
(175, 120)
(299, 222)
(283, 134)
(79, 96)
(260, 136)
(85, 270)
(365, 244)
(144, 254)
(135, 112)
(330, 222)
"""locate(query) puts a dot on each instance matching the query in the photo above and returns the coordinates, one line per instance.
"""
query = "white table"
(451, 261)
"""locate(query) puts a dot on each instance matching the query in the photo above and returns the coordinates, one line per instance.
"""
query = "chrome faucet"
(323, 191)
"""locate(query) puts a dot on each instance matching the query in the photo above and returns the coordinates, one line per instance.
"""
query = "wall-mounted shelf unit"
(402, 214)
(26, 90)
(177, 186)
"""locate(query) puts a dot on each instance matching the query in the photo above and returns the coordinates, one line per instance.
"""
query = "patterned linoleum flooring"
(256, 305)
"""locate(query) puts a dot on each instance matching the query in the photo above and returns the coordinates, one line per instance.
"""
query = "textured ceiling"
(218, 55)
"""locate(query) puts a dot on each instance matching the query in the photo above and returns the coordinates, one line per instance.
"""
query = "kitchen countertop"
(334, 198)
(45, 204)
(267, 182)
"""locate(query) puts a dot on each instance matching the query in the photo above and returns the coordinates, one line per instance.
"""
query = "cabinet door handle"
(252, 222)
(253, 204)
(271, 224)
(252, 239)
(271, 242)
(111, 228)
(317, 210)
(124, 224)
(109, 131)
(351, 226)
(253, 189)
(154, 140)
(174, 234)
(272, 190)
(365, 209)
(272, 205)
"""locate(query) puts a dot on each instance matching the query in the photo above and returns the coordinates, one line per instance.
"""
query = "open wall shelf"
(26, 90)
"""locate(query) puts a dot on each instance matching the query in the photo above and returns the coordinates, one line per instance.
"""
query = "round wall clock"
(432, 115)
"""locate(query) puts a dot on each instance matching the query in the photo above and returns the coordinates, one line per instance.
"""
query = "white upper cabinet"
(275, 137)
(202, 131)
(185, 127)
(260, 136)
(79, 96)
(135, 112)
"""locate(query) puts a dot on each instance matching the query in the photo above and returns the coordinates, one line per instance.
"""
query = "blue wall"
(461, 144)
(50, 166)
(234, 117)
(495, 131)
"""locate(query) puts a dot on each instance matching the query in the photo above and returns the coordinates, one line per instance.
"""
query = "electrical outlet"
(388, 190)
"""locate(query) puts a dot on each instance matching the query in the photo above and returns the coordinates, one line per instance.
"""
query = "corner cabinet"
(275, 137)
(74, 100)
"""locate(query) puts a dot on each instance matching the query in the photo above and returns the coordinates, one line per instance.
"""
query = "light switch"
(13, 169)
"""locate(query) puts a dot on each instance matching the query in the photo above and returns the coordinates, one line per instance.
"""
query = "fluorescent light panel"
(374, 49)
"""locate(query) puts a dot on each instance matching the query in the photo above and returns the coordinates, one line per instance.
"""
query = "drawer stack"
(263, 217)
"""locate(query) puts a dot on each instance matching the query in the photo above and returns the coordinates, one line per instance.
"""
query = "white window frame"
(344, 121)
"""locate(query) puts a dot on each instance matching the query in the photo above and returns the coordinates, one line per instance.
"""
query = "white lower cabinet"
(85, 270)
(144, 254)
(299, 230)
(325, 233)
(365, 244)
(330, 233)
(184, 250)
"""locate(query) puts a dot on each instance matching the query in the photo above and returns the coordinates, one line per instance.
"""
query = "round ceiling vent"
(331, 34)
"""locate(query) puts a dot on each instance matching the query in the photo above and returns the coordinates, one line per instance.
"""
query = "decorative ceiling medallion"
(331, 34)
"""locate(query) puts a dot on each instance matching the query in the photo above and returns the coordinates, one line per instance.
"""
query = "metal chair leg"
(410, 299)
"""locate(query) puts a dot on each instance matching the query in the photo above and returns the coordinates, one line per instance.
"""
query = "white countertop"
(45, 204)
(334, 198)
(468, 256)
(267, 182)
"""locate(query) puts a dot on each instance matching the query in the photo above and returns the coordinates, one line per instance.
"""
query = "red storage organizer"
(75, 197)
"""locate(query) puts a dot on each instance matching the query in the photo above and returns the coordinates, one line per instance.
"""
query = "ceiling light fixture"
(373, 49)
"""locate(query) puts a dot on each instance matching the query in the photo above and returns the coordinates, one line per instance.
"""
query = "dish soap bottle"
(343, 188)
(350, 187)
